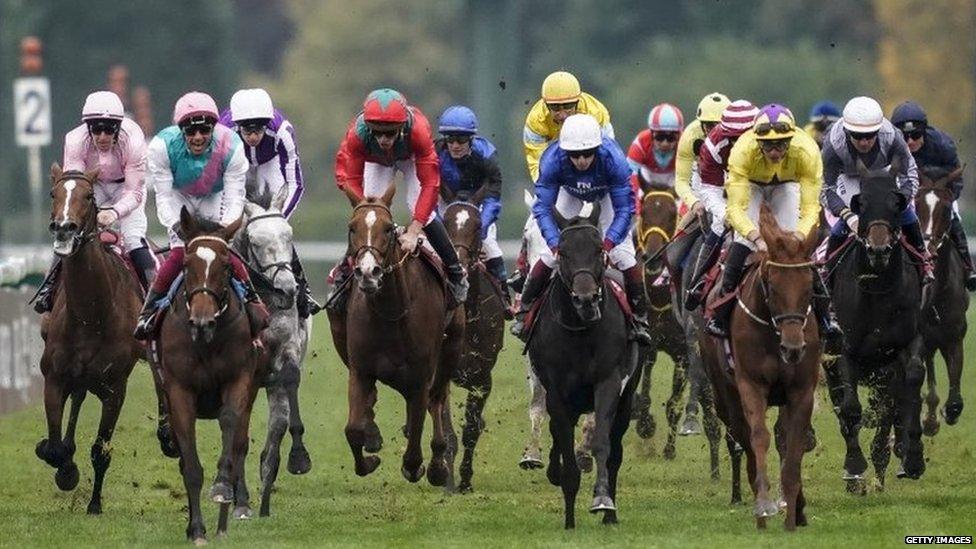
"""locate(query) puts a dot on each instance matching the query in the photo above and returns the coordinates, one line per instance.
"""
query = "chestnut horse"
(397, 329)
(208, 365)
(776, 348)
(484, 328)
(88, 343)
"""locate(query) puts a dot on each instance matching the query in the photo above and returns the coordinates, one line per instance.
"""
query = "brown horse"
(657, 226)
(950, 300)
(396, 329)
(776, 348)
(88, 343)
(484, 328)
(208, 365)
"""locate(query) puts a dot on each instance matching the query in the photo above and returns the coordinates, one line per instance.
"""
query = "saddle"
(112, 241)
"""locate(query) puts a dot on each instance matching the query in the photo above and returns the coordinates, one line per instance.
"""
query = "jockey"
(776, 164)
(561, 98)
(652, 154)
(386, 137)
(271, 149)
(867, 136)
(713, 159)
(198, 165)
(469, 162)
(933, 147)
(115, 145)
(708, 116)
(586, 166)
(822, 115)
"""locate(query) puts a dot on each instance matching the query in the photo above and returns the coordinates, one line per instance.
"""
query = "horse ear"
(188, 224)
(479, 196)
(387, 197)
(92, 175)
(351, 194)
(447, 194)
(955, 174)
(228, 232)
(278, 202)
(812, 240)
(862, 170)
(561, 221)
(251, 209)
(594, 217)
(768, 226)
(856, 204)
(902, 201)
(56, 173)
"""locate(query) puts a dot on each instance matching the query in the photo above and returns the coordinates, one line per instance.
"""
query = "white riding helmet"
(251, 104)
(102, 104)
(863, 115)
(580, 132)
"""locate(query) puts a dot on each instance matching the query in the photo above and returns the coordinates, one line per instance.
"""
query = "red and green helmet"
(385, 106)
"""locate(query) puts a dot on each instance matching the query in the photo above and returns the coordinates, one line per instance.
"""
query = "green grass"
(661, 503)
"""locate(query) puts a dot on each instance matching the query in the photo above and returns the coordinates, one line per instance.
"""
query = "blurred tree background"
(319, 59)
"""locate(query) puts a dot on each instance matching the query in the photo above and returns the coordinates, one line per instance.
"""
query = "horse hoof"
(610, 518)
(764, 509)
(464, 487)
(94, 508)
(910, 470)
(531, 461)
(602, 503)
(243, 512)
(299, 461)
(370, 463)
(856, 486)
(221, 492)
(930, 427)
(952, 411)
(66, 477)
(166, 444)
(669, 451)
(411, 476)
(691, 426)
(373, 443)
(199, 541)
(645, 426)
(584, 461)
(437, 473)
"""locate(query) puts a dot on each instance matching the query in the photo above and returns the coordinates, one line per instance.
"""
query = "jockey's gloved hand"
(608, 245)
(178, 231)
(758, 241)
(107, 217)
(410, 238)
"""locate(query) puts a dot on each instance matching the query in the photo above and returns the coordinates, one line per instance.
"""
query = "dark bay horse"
(88, 343)
(484, 328)
(657, 226)
(580, 351)
(208, 365)
(397, 329)
(776, 348)
(877, 294)
(946, 332)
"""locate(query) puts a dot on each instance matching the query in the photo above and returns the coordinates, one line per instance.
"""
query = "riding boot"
(913, 234)
(637, 297)
(496, 268)
(145, 264)
(258, 315)
(44, 300)
(534, 284)
(341, 278)
(457, 278)
(305, 303)
(707, 257)
(517, 280)
(718, 324)
(823, 309)
(145, 325)
(958, 236)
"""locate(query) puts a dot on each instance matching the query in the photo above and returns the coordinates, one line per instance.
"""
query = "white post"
(35, 179)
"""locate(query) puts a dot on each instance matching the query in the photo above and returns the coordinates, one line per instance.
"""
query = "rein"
(221, 298)
(776, 320)
(644, 234)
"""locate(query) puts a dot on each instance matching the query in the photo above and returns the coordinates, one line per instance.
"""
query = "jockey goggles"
(859, 136)
(99, 126)
(457, 138)
(555, 107)
(913, 134)
(775, 144)
(385, 130)
(779, 127)
(253, 126)
(194, 129)
(581, 154)
(666, 136)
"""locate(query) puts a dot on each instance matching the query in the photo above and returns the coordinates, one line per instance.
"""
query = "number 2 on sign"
(35, 112)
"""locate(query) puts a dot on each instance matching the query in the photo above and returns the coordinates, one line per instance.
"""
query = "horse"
(483, 331)
(88, 343)
(208, 365)
(775, 347)
(265, 244)
(580, 350)
(950, 300)
(877, 295)
(531, 458)
(397, 329)
(657, 226)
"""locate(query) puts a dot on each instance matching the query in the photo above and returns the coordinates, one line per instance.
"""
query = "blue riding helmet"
(458, 119)
(825, 110)
(909, 111)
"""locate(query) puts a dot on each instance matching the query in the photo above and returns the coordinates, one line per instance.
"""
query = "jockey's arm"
(491, 206)
(428, 170)
(908, 176)
(232, 197)
(622, 196)
(546, 190)
(739, 192)
(535, 138)
(292, 169)
(160, 177)
(683, 166)
(350, 162)
(134, 187)
(832, 166)
(810, 178)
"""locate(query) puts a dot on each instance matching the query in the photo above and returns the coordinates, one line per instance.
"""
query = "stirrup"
(640, 330)
(715, 328)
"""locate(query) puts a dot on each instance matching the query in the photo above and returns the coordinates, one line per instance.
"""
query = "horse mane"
(935, 172)
(263, 199)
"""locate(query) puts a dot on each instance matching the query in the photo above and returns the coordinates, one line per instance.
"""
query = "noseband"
(573, 275)
(383, 255)
(644, 234)
(221, 298)
(264, 268)
(776, 320)
(85, 234)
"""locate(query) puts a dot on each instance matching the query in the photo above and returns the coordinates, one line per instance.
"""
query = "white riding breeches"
(377, 178)
(783, 199)
(133, 226)
(203, 207)
(713, 200)
(623, 256)
(490, 243)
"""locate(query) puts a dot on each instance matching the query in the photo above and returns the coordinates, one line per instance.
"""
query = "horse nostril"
(52, 227)
(358, 271)
(71, 227)
(376, 271)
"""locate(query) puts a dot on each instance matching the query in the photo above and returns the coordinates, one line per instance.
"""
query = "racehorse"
(775, 360)
(397, 329)
(88, 343)
(877, 295)
(580, 350)
(208, 365)
(950, 300)
(265, 245)
(532, 455)
(657, 226)
(484, 327)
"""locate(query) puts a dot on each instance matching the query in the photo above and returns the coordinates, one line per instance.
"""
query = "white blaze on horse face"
(370, 221)
(208, 256)
(931, 200)
(461, 218)
(69, 186)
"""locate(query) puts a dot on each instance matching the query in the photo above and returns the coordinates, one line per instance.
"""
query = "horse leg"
(67, 474)
(358, 391)
(474, 425)
(735, 457)
(882, 400)
(910, 404)
(954, 357)
(374, 439)
(584, 450)
(52, 450)
(101, 450)
(695, 373)
(796, 425)
(842, 382)
(754, 408)
(532, 456)
(182, 420)
(413, 458)
(238, 400)
(606, 406)
(299, 462)
(642, 400)
(561, 427)
(450, 437)
(437, 471)
(931, 423)
(673, 408)
(621, 422)
(164, 432)
(713, 428)
(278, 413)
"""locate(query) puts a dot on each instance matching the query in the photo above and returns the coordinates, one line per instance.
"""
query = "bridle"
(776, 320)
(383, 255)
(644, 234)
(85, 233)
(264, 268)
(473, 251)
(221, 298)
(597, 278)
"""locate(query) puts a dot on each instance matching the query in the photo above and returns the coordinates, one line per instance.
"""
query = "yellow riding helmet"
(561, 87)
(774, 121)
(711, 106)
